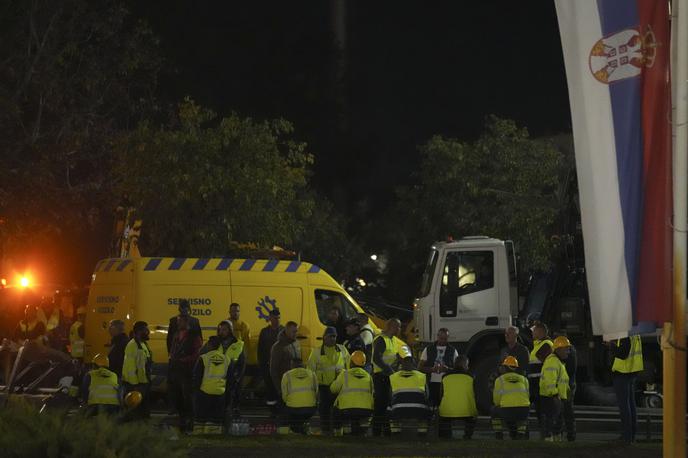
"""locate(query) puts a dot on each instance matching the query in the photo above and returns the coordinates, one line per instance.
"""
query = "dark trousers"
(209, 408)
(434, 389)
(297, 418)
(445, 427)
(624, 387)
(234, 394)
(142, 412)
(271, 395)
(514, 418)
(567, 418)
(383, 398)
(326, 401)
(180, 395)
(534, 384)
(551, 409)
(358, 419)
(420, 415)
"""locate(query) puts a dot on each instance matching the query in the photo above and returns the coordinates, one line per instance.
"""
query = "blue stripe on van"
(224, 264)
(99, 264)
(293, 266)
(153, 264)
(109, 265)
(248, 264)
(270, 266)
(177, 264)
(200, 264)
(314, 269)
(123, 264)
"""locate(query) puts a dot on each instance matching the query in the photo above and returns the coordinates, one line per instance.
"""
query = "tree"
(504, 185)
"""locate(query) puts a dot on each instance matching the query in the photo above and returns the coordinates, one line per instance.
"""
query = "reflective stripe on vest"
(325, 369)
(215, 366)
(75, 341)
(634, 361)
(390, 354)
(103, 388)
(357, 392)
(134, 370)
(301, 391)
(554, 381)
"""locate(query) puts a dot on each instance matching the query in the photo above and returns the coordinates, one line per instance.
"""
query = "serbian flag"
(616, 54)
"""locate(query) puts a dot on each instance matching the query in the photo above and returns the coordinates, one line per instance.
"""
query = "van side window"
(325, 299)
(465, 272)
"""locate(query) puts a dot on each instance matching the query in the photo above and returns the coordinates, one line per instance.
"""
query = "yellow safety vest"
(327, 367)
(458, 398)
(634, 361)
(27, 328)
(235, 350)
(511, 390)
(355, 388)
(555, 379)
(53, 322)
(390, 354)
(402, 349)
(408, 389)
(135, 363)
(104, 387)
(299, 388)
(215, 366)
(75, 341)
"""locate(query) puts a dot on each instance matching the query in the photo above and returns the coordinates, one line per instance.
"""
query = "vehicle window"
(426, 280)
(325, 300)
(465, 272)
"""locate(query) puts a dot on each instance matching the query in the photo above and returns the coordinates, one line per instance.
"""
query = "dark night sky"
(413, 69)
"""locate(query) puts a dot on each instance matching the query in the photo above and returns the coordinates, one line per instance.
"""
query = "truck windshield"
(426, 281)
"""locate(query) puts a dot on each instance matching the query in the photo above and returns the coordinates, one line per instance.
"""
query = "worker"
(511, 399)
(409, 397)
(184, 352)
(354, 403)
(136, 369)
(76, 334)
(283, 353)
(210, 384)
(628, 363)
(539, 331)
(554, 383)
(235, 349)
(299, 389)
(327, 362)
(31, 328)
(384, 356)
(437, 359)
(53, 322)
(266, 339)
(101, 388)
(194, 325)
(241, 329)
(516, 349)
(336, 320)
(367, 335)
(567, 418)
(353, 341)
(118, 343)
(457, 399)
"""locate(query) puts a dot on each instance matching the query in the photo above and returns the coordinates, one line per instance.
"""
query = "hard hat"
(101, 360)
(510, 361)
(358, 358)
(133, 399)
(81, 311)
(561, 342)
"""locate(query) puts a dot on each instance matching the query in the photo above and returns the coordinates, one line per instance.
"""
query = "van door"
(468, 297)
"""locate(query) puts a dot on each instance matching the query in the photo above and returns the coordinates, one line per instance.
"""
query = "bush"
(24, 432)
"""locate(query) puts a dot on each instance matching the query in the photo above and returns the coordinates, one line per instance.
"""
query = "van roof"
(469, 242)
(230, 264)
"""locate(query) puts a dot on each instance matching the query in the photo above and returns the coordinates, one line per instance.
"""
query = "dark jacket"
(520, 352)
(447, 359)
(116, 355)
(355, 343)
(194, 327)
(340, 326)
(281, 356)
(184, 351)
(571, 363)
(266, 340)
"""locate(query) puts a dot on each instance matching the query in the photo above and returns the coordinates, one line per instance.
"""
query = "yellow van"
(149, 289)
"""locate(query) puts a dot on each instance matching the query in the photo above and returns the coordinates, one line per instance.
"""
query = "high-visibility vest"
(235, 350)
(390, 354)
(555, 379)
(458, 398)
(215, 366)
(104, 387)
(53, 321)
(327, 367)
(408, 390)
(355, 388)
(75, 341)
(27, 328)
(299, 388)
(511, 390)
(634, 361)
(402, 349)
(534, 364)
(136, 360)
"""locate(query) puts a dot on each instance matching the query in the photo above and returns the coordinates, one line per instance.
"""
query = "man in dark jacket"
(194, 325)
(515, 349)
(436, 360)
(336, 320)
(183, 355)
(118, 343)
(354, 342)
(266, 339)
(283, 353)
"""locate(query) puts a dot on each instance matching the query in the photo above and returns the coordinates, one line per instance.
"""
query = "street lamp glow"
(373, 257)
(24, 282)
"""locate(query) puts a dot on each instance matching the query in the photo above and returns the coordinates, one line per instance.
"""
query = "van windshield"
(325, 300)
(426, 281)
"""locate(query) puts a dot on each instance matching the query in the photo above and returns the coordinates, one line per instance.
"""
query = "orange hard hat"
(510, 361)
(358, 358)
(133, 399)
(561, 342)
(101, 360)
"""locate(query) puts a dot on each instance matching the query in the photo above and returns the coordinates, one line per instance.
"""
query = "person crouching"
(101, 389)
(457, 400)
(300, 396)
(210, 382)
(354, 403)
(511, 398)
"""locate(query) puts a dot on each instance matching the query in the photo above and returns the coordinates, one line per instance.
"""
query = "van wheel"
(485, 371)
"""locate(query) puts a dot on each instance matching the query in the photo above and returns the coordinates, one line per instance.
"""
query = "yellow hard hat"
(358, 358)
(81, 311)
(133, 399)
(561, 342)
(101, 360)
(510, 361)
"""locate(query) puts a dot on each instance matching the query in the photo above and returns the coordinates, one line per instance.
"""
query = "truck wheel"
(485, 371)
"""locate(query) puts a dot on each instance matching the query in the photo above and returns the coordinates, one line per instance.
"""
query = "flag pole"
(674, 340)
